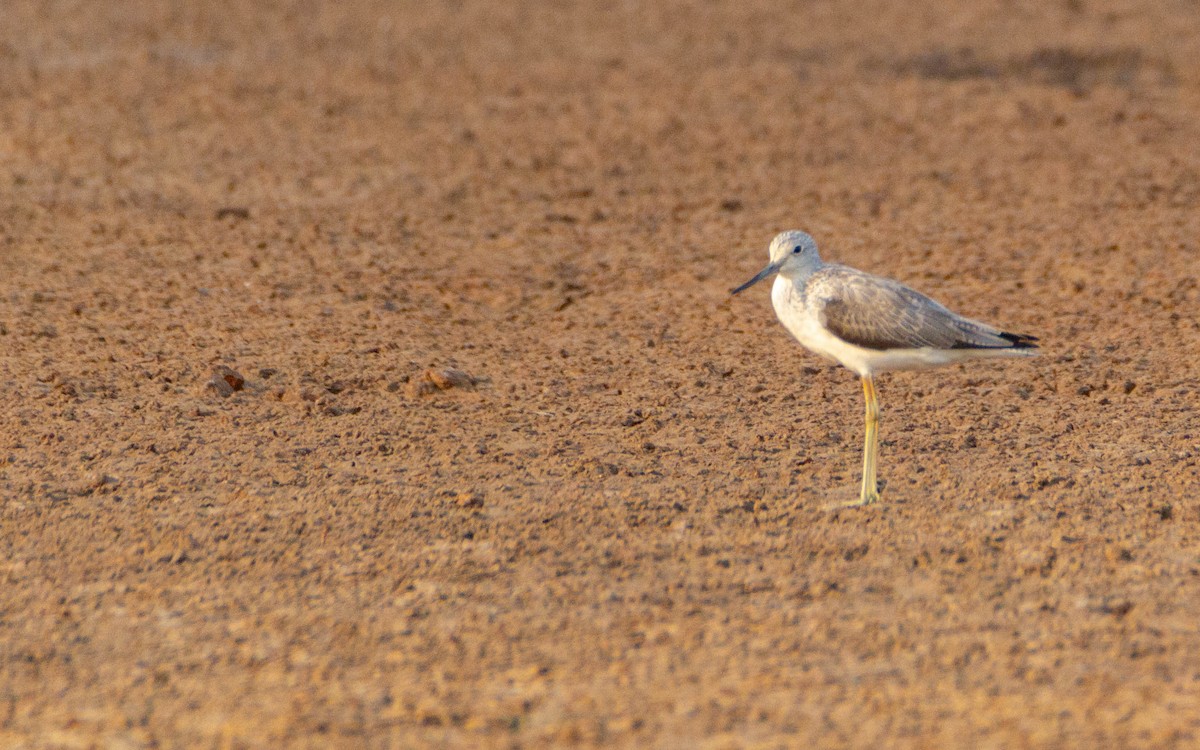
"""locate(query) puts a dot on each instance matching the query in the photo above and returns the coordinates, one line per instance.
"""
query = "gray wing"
(877, 313)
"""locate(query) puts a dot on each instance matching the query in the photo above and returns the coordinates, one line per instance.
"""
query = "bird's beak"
(767, 272)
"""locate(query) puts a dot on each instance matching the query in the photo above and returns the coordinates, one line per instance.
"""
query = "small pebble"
(441, 380)
(225, 381)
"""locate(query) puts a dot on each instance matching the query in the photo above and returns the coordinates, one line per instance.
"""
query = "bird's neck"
(798, 271)
(786, 291)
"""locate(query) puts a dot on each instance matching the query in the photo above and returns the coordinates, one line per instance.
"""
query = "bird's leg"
(870, 487)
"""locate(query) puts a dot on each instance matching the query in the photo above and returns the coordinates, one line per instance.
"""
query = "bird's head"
(790, 251)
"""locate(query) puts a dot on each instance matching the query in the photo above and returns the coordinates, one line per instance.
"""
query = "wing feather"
(881, 314)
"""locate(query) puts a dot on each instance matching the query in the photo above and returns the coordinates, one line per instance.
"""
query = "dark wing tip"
(1012, 341)
(1020, 340)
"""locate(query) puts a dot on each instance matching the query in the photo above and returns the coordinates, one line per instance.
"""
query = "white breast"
(804, 322)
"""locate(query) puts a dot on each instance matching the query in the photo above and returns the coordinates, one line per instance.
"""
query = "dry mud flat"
(370, 377)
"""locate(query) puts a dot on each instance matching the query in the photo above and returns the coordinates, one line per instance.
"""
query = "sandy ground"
(498, 463)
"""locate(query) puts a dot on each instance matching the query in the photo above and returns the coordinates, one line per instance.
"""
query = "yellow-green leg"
(870, 485)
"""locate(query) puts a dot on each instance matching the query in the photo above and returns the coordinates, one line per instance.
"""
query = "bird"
(871, 324)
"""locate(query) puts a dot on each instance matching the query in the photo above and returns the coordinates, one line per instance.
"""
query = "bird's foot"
(867, 498)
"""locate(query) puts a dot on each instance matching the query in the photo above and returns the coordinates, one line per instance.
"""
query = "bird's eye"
(798, 249)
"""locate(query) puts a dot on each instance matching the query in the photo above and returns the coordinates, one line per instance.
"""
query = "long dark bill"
(765, 273)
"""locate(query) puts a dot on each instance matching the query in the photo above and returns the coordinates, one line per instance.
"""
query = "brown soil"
(370, 376)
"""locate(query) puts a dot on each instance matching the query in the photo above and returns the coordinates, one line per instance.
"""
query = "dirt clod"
(469, 500)
(443, 379)
(226, 381)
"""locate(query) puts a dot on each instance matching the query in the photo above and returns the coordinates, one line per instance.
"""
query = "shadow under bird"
(870, 324)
